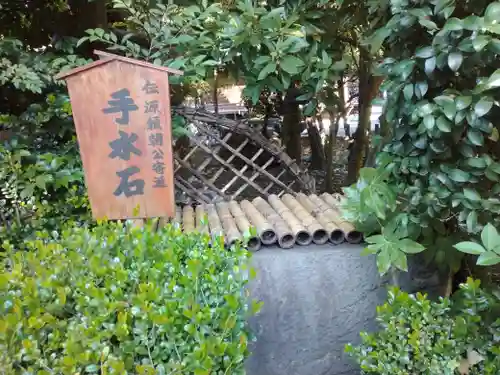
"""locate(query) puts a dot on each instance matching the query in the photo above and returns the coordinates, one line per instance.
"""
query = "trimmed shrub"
(448, 337)
(116, 299)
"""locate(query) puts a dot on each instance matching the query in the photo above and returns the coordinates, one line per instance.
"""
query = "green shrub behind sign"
(115, 299)
(447, 337)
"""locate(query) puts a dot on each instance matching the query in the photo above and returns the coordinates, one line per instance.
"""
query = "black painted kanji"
(150, 88)
(121, 103)
(159, 167)
(159, 181)
(154, 123)
(156, 139)
(158, 154)
(123, 147)
(151, 106)
(129, 187)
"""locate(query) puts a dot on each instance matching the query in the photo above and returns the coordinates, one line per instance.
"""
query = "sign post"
(121, 109)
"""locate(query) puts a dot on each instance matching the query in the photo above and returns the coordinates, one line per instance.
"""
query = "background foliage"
(419, 336)
(40, 168)
(437, 177)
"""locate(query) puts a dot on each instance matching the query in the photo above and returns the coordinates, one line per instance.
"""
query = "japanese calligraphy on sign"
(122, 115)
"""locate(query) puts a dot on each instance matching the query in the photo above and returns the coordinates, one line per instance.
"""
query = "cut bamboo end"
(320, 236)
(354, 237)
(228, 224)
(286, 240)
(302, 235)
(325, 216)
(334, 203)
(265, 230)
(281, 228)
(303, 238)
(337, 236)
(244, 226)
(254, 244)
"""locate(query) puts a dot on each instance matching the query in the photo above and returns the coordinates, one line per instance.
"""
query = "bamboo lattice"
(227, 160)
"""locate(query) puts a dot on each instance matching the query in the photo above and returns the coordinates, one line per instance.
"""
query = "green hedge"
(115, 299)
(459, 336)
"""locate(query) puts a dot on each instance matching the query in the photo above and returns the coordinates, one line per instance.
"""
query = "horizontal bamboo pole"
(214, 222)
(286, 239)
(336, 234)
(244, 226)
(264, 229)
(302, 235)
(188, 219)
(352, 235)
(231, 232)
(201, 219)
(319, 234)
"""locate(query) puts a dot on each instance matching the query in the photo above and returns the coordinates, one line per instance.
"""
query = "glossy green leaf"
(428, 24)
(400, 261)
(495, 167)
(463, 102)
(472, 23)
(383, 261)
(472, 222)
(483, 106)
(453, 24)
(291, 64)
(492, 13)
(472, 195)
(408, 91)
(261, 60)
(455, 60)
(476, 162)
(458, 175)
(490, 237)
(469, 247)
(410, 247)
(421, 89)
(269, 68)
(443, 124)
(488, 259)
(475, 137)
(429, 122)
(376, 239)
(430, 65)
(494, 80)
(480, 42)
(424, 52)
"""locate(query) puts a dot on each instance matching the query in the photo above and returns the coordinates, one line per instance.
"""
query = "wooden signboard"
(121, 109)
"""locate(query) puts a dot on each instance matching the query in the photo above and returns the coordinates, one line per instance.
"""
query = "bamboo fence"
(285, 221)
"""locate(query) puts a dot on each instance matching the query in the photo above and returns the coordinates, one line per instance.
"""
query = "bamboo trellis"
(207, 177)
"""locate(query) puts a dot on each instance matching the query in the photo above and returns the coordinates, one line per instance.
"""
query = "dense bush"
(438, 175)
(419, 336)
(41, 175)
(115, 299)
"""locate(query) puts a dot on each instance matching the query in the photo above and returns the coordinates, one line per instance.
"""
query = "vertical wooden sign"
(121, 109)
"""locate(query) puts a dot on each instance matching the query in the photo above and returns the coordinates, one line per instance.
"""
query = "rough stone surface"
(316, 299)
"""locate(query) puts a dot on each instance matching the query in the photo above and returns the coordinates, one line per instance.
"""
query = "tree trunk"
(330, 147)
(291, 126)
(215, 93)
(358, 150)
(321, 125)
(317, 151)
(86, 15)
